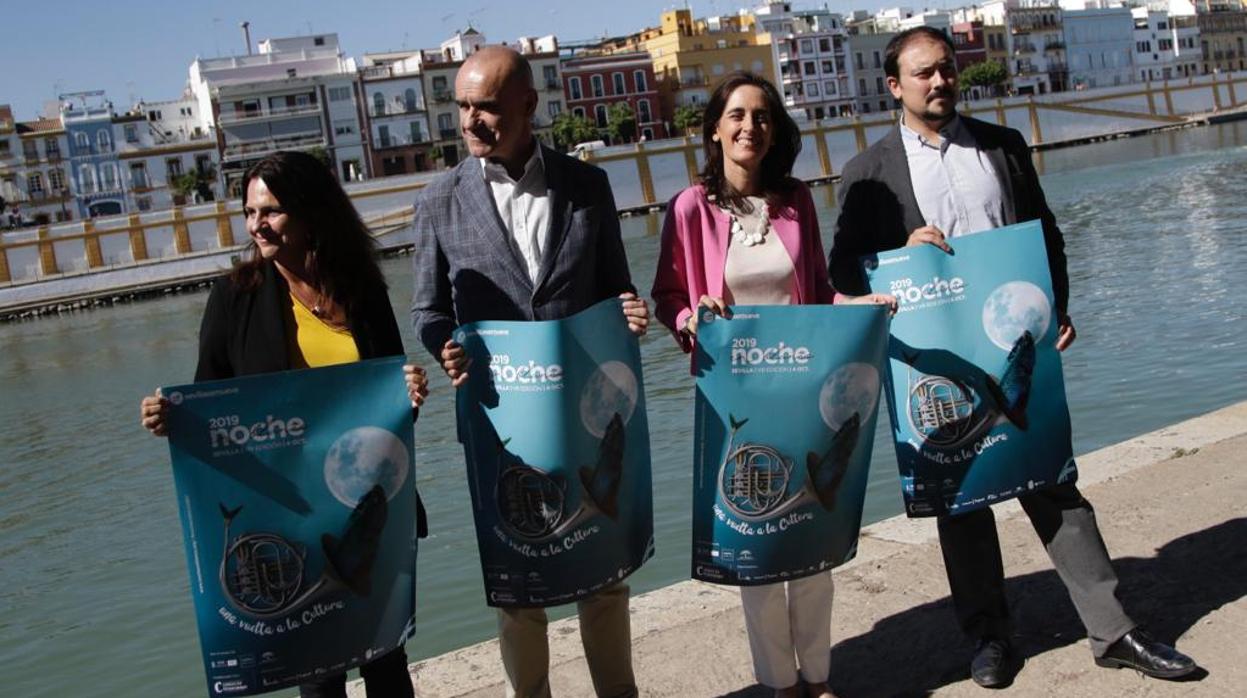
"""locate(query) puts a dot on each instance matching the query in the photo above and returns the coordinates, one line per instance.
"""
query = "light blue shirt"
(955, 184)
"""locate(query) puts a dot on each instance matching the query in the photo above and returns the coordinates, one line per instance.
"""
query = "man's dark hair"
(891, 54)
(776, 164)
(343, 262)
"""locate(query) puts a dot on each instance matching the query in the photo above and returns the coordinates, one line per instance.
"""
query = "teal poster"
(784, 425)
(552, 418)
(298, 504)
(975, 388)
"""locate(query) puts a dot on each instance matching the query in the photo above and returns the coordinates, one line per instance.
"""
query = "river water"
(93, 587)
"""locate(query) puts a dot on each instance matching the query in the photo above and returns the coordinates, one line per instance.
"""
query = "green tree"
(688, 117)
(621, 123)
(570, 129)
(984, 74)
(197, 181)
(321, 154)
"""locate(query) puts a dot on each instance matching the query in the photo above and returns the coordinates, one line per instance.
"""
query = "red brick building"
(592, 84)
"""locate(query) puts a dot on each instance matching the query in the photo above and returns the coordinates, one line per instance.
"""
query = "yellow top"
(317, 343)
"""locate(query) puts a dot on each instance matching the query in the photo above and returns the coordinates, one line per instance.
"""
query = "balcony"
(443, 95)
(31, 158)
(554, 85)
(1020, 47)
(53, 156)
(399, 141)
(252, 149)
(447, 134)
(399, 109)
(1054, 46)
(694, 81)
(262, 114)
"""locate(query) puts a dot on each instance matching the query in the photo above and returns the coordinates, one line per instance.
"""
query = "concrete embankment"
(1170, 505)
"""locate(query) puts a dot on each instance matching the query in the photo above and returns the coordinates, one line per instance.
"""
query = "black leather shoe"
(993, 665)
(1137, 651)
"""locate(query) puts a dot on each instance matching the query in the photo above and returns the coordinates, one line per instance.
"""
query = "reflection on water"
(92, 571)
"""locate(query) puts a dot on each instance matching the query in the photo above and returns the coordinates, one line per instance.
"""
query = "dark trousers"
(1066, 524)
(383, 677)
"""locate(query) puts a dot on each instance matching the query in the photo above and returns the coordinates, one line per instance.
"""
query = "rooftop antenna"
(246, 35)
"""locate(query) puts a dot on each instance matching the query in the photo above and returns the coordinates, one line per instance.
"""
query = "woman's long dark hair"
(342, 260)
(776, 164)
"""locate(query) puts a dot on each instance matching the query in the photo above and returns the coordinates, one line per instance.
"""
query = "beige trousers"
(789, 624)
(604, 630)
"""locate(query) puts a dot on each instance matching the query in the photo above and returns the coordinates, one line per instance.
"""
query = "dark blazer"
(466, 268)
(878, 209)
(245, 333)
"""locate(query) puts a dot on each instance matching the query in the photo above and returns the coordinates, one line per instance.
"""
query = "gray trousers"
(1066, 524)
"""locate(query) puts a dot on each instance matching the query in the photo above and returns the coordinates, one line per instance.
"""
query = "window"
(344, 127)
(318, 41)
(86, 179)
(383, 136)
(643, 113)
(810, 68)
(138, 175)
(551, 75)
(812, 89)
(578, 112)
(105, 140)
(554, 108)
(647, 134)
(883, 105)
(56, 180)
(857, 60)
(82, 141)
(108, 173)
(861, 87)
(378, 104)
(638, 80)
(879, 86)
(878, 61)
(599, 114)
(291, 73)
(828, 67)
(31, 150)
(34, 183)
(5, 147)
(865, 107)
(173, 168)
(339, 94)
(829, 88)
(143, 203)
(573, 85)
(598, 89)
(444, 124)
(757, 66)
(807, 46)
(716, 69)
(824, 45)
(618, 83)
(417, 132)
(132, 133)
(409, 99)
(154, 115)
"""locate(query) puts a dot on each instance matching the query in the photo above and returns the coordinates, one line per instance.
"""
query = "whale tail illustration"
(601, 482)
(229, 514)
(735, 423)
(827, 472)
(350, 559)
(1012, 394)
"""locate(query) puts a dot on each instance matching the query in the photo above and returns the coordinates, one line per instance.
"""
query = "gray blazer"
(466, 268)
(878, 209)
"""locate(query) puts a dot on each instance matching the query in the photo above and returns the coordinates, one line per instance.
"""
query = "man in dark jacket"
(939, 175)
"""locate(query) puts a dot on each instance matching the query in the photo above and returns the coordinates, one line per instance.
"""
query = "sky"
(142, 49)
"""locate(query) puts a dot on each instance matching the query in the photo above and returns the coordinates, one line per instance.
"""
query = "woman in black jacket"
(310, 294)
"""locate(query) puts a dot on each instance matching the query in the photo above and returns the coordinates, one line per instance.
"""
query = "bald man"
(521, 232)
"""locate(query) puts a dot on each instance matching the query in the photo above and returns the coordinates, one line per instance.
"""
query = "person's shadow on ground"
(915, 652)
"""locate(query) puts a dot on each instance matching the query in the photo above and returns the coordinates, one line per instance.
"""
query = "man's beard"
(929, 114)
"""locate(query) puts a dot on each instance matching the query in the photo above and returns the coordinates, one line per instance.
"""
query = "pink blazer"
(694, 253)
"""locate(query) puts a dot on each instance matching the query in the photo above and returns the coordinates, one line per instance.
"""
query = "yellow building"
(692, 57)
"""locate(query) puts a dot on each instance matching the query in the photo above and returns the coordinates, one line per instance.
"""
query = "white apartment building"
(809, 49)
(395, 113)
(296, 93)
(1099, 46)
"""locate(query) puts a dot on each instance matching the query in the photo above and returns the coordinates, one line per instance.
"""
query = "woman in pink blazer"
(748, 234)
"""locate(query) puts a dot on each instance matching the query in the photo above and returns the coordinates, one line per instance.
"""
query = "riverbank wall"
(70, 266)
(1170, 505)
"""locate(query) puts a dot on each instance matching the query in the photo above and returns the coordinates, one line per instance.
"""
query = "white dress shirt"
(524, 207)
(954, 182)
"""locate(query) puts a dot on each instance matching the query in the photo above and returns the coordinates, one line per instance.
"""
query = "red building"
(592, 84)
(971, 45)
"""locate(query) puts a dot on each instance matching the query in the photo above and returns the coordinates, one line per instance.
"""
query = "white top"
(759, 274)
(954, 182)
(524, 207)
